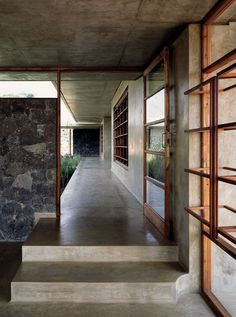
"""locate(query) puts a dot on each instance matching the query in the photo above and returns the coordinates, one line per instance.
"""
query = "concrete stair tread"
(97, 230)
(85, 272)
(100, 253)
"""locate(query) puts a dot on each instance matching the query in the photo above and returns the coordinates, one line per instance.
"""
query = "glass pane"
(28, 76)
(28, 85)
(156, 137)
(227, 100)
(223, 39)
(155, 107)
(155, 79)
(27, 89)
(223, 275)
(156, 167)
(156, 198)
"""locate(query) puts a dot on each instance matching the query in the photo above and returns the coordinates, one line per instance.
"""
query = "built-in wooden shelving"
(120, 130)
(224, 236)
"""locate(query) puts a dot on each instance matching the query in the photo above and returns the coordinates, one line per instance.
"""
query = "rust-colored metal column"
(58, 146)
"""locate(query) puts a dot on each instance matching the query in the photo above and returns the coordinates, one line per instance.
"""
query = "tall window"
(157, 147)
(120, 124)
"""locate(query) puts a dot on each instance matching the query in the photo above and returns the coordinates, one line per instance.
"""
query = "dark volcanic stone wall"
(27, 164)
(86, 142)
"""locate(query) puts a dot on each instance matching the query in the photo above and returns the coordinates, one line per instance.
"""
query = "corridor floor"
(97, 210)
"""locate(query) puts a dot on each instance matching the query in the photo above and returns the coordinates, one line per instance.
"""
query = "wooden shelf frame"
(222, 127)
(120, 130)
(213, 170)
(117, 127)
(208, 132)
(118, 116)
(200, 213)
(205, 172)
(225, 232)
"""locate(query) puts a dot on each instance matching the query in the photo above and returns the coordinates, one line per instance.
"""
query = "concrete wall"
(107, 140)
(185, 73)
(132, 176)
(185, 190)
(224, 39)
(27, 164)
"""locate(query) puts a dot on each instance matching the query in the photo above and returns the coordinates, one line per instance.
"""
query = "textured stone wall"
(66, 142)
(27, 164)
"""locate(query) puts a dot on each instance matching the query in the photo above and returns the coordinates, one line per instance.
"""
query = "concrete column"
(107, 140)
(71, 141)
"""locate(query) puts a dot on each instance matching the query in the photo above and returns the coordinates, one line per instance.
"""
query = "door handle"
(163, 140)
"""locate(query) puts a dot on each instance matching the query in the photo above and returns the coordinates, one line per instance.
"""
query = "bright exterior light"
(35, 89)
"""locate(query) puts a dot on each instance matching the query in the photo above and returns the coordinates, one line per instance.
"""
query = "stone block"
(38, 148)
(27, 163)
(23, 181)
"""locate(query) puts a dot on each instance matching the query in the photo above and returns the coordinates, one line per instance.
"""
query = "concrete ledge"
(39, 215)
(93, 292)
(99, 253)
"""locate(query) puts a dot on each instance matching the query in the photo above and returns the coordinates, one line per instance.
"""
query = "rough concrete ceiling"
(90, 33)
(89, 94)
(89, 101)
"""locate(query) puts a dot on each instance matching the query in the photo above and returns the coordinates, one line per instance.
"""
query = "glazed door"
(157, 144)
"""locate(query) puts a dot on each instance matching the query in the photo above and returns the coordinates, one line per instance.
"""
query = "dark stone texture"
(3, 145)
(86, 142)
(27, 163)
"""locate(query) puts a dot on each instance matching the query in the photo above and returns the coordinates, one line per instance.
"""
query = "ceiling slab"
(104, 33)
(91, 33)
(89, 100)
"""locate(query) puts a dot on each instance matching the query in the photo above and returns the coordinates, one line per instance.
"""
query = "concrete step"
(37, 253)
(121, 282)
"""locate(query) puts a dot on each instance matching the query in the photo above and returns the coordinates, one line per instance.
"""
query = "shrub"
(68, 166)
(156, 167)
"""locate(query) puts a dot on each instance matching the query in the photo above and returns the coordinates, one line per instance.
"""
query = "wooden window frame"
(121, 130)
(163, 225)
(210, 231)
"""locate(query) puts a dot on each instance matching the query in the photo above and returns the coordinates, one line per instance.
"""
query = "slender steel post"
(58, 146)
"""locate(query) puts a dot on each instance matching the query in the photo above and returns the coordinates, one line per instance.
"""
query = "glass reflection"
(155, 107)
(156, 167)
(155, 79)
(156, 199)
(156, 137)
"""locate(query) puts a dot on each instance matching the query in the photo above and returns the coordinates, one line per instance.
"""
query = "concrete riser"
(93, 292)
(100, 253)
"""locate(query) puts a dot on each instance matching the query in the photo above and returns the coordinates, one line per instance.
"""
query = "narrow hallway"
(110, 257)
(97, 210)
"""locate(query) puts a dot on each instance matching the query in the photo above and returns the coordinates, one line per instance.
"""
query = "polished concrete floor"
(97, 210)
